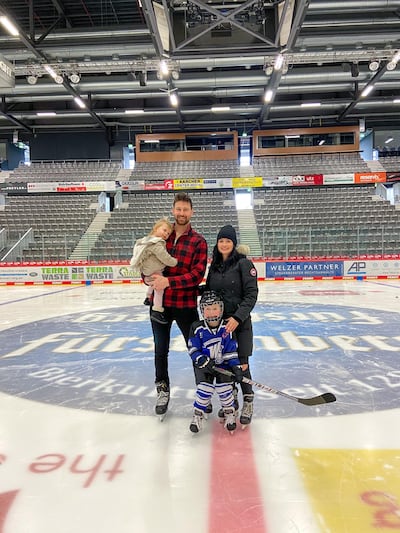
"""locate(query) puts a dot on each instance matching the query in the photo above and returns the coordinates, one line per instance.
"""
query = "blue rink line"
(40, 295)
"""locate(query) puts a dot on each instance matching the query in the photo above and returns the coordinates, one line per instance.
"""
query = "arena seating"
(186, 169)
(327, 163)
(348, 220)
(58, 221)
(48, 171)
(291, 221)
(212, 210)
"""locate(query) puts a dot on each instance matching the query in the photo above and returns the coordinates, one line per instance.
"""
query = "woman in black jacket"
(234, 277)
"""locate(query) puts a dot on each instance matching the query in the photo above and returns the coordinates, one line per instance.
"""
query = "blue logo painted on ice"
(103, 360)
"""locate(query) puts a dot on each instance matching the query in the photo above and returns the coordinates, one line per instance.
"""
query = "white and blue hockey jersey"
(219, 346)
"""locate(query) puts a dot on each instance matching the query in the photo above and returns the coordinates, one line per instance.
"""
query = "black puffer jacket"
(236, 281)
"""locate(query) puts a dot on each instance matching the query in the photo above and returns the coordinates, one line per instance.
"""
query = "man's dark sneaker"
(156, 316)
(147, 301)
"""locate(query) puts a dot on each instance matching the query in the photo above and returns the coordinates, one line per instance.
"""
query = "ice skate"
(157, 316)
(230, 419)
(162, 399)
(208, 411)
(197, 421)
(247, 410)
(221, 414)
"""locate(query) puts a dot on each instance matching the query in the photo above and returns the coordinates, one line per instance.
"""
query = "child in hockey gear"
(150, 257)
(210, 345)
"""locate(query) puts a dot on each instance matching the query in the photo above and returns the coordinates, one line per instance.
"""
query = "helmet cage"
(210, 298)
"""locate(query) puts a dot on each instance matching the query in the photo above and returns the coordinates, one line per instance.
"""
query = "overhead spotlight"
(175, 74)
(173, 98)
(269, 69)
(373, 65)
(269, 94)
(31, 79)
(367, 90)
(164, 69)
(74, 77)
(9, 26)
(55, 75)
(393, 62)
(279, 60)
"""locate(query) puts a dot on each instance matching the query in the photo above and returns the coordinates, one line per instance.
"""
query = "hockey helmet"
(212, 308)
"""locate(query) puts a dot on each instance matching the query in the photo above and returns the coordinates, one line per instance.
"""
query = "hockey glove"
(237, 370)
(205, 363)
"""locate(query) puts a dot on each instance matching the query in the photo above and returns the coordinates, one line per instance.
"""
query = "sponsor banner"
(161, 186)
(277, 181)
(217, 183)
(243, 183)
(73, 186)
(189, 183)
(308, 179)
(362, 484)
(393, 176)
(68, 273)
(134, 185)
(369, 177)
(14, 187)
(371, 268)
(336, 179)
(294, 269)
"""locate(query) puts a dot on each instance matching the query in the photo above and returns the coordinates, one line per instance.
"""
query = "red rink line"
(128, 281)
(236, 504)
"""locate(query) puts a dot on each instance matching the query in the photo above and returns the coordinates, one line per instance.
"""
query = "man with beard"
(180, 284)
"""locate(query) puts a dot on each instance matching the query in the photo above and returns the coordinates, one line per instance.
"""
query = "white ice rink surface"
(87, 454)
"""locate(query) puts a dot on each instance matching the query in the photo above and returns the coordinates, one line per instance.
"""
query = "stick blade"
(327, 397)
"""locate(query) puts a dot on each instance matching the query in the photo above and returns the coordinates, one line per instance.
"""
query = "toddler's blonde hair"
(160, 223)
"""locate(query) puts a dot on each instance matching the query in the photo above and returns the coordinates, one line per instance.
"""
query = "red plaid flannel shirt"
(191, 252)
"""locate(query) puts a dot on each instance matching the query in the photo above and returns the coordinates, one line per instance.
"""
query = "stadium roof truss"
(238, 64)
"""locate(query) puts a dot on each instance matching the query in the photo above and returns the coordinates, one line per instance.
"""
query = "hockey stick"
(327, 397)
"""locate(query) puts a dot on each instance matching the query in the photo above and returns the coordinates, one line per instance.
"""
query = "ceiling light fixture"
(9, 26)
(32, 79)
(367, 90)
(74, 77)
(269, 69)
(393, 62)
(389, 140)
(173, 99)
(220, 108)
(278, 64)
(46, 114)
(311, 104)
(373, 65)
(55, 75)
(134, 111)
(164, 68)
(269, 94)
(79, 102)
